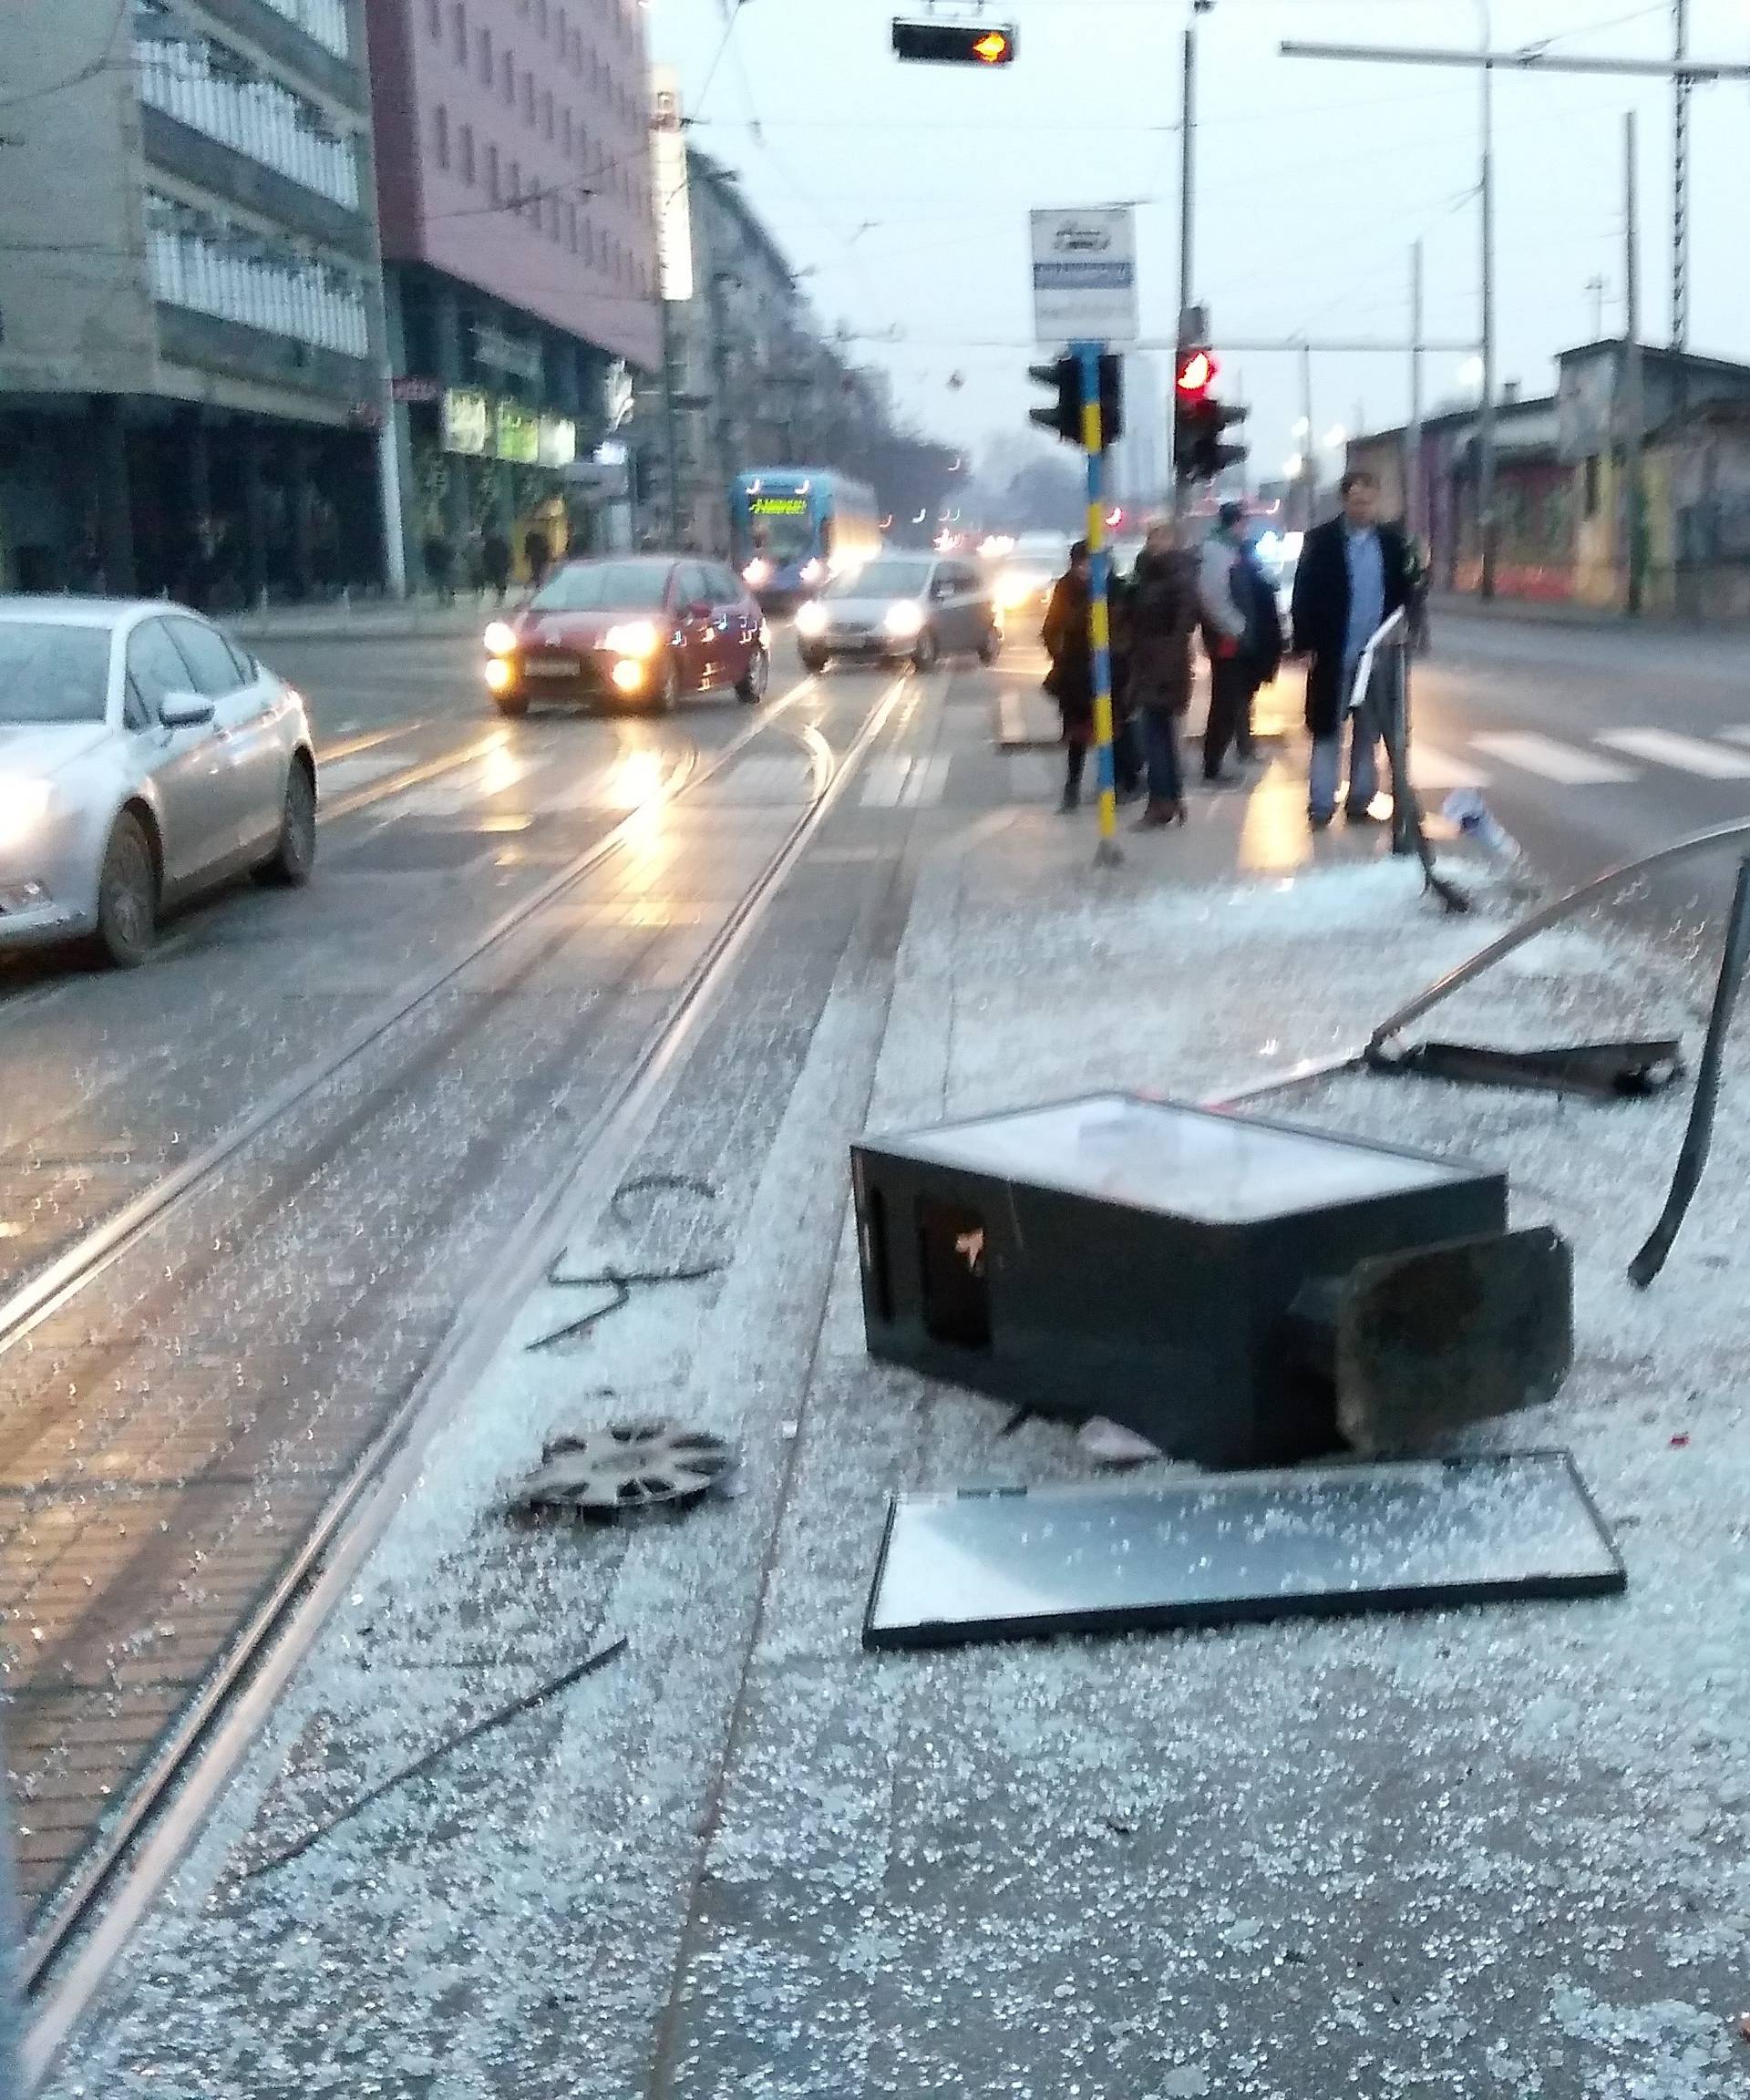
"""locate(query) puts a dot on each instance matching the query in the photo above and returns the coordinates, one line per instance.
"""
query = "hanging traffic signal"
(1064, 416)
(954, 43)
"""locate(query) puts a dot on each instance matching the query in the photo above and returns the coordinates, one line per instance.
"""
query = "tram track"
(190, 1760)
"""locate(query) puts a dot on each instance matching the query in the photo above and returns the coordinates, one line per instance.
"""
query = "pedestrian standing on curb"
(1262, 652)
(439, 565)
(1070, 680)
(1163, 620)
(538, 552)
(1354, 574)
(1224, 597)
(495, 561)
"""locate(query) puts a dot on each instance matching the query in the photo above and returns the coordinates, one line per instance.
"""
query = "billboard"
(467, 421)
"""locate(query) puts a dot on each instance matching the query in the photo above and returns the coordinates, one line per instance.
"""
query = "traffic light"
(1200, 453)
(1064, 416)
(954, 44)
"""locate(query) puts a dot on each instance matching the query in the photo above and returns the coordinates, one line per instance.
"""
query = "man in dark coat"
(494, 561)
(1163, 620)
(1354, 574)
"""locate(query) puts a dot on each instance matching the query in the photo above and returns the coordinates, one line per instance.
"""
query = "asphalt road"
(1594, 745)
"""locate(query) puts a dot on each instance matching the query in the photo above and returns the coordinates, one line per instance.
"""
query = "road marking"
(905, 783)
(1736, 735)
(763, 780)
(340, 774)
(1433, 769)
(1687, 754)
(1552, 761)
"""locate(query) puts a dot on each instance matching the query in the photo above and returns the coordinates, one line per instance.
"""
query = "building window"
(212, 264)
(561, 33)
(434, 20)
(547, 113)
(466, 143)
(325, 20)
(1592, 486)
(515, 198)
(492, 188)
(216, 91)
(485, 58)
(508, 81)
(541, 15)
(568, 129)
(440, 134)
(571, 214)
(529, 98)
(458, 31)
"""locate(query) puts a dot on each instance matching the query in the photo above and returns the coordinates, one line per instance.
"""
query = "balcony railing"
(209, 265)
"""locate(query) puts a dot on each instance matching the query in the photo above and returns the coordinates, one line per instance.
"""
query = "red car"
(643, 629)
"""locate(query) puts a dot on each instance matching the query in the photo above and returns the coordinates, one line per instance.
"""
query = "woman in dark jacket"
(1163, 620)
(1070, 680)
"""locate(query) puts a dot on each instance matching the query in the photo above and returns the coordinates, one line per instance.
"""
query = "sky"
(903, 191)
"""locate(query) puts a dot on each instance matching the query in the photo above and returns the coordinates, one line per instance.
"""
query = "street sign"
(1084, 277)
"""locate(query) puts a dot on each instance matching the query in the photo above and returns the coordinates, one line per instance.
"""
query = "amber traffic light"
(954, 44)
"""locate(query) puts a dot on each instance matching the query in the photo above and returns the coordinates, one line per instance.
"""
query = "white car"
(143, 757)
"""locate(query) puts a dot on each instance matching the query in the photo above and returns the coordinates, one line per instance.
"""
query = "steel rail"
(260, 1662)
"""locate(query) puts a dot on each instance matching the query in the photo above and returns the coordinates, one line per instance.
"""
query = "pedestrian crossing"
(1610, 758)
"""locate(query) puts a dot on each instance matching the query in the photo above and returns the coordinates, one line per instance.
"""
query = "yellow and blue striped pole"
(1099, 617)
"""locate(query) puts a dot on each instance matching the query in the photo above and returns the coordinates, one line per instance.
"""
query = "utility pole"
(1187, 227)
(1309, 453)
(1485, 433)
(1595, 286)
(671, 422)
(1413, 501)
(1682, 88)
(1635, 408)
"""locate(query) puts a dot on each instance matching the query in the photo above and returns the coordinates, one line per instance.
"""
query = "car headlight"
(500, 674)
(811, 619)
(628, 675)
(500, 639)
(758, 572)
(813, 570)
(636, 638)
(23, 803)
(904, 618)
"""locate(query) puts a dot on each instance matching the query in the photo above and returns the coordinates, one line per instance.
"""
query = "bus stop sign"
(1084, 277)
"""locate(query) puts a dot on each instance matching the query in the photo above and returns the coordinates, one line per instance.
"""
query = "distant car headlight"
(758, 572)
(636, 638)
(811, 619)
(905, 618)
(813, 570)
(500, 675)
(500, 640)
(23, 803)
(1014, 587)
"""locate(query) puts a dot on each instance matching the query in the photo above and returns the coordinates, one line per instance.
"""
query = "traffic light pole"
(1187, 228)
(1099, 616)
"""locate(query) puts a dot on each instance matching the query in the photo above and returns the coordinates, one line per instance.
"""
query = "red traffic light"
(1196, 374)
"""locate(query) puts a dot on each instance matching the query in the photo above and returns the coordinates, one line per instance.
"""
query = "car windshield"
(884, 579)
(605, 586)
(53, 673)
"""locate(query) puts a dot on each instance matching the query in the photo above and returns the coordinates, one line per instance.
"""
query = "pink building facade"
(520, 253)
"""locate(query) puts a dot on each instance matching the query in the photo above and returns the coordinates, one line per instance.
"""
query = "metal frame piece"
(1698, 1137)
(1616, 1071)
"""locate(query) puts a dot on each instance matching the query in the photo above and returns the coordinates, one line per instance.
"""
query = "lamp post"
(1486, 445)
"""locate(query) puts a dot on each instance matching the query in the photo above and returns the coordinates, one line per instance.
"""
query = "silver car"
(143, 757)
(899, 608)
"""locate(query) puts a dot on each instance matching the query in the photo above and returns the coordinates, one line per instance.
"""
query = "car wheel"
(511, 705)
(814, 660)
(751, 690)
(991, 647)
(669, 691)
(293, 859)
(127, 896)
(924, 655)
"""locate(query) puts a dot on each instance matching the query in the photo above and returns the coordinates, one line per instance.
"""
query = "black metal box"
(1138, 1259)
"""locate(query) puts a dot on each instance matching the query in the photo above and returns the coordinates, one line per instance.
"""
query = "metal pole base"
(1109, 853)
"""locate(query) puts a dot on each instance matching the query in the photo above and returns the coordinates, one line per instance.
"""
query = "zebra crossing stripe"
(1433, 770)
(1687, 754)
(1550, 760)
